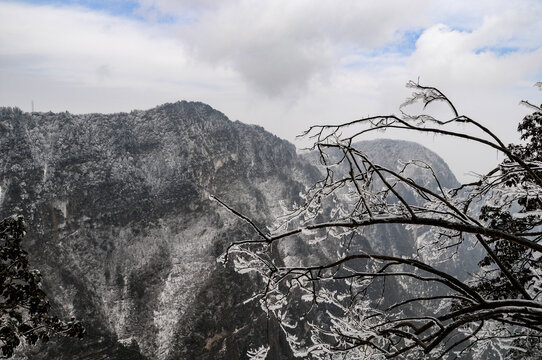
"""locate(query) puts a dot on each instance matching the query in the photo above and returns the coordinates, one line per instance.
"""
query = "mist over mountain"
(123, 230)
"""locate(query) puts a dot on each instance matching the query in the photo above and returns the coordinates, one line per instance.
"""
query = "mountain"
(121, 222)
(395, 154)
(122, 227)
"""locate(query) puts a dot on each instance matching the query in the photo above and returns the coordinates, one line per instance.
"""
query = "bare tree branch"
(391, 305)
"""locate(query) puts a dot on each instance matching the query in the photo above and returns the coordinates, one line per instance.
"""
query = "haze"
(284, 65)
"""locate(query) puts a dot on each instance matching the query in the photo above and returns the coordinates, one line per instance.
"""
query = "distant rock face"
(121, 225)
(399, 240)
(395, 153)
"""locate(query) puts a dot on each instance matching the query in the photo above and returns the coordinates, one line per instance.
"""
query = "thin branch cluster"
(363, 301)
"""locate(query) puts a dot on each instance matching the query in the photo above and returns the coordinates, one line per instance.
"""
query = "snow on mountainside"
(121, 222)
(395, 153)
(397, 239)
(122, 228)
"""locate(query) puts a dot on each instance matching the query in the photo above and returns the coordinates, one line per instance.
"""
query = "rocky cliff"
(121, 225)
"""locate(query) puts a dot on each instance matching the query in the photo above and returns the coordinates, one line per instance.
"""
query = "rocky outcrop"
(121, 225)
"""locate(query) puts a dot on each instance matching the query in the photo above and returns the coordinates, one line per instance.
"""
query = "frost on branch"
(258, 354)
(468, 284)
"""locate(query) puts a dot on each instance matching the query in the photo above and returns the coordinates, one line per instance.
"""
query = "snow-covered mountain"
(121, 225)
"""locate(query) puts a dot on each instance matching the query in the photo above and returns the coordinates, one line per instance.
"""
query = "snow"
(259, 353)
(191, 266)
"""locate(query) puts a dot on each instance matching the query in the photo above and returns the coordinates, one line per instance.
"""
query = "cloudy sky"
(282, 64)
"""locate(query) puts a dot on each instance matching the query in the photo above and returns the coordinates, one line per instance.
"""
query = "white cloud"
(281, 46)
(282, 64)
(94, 49)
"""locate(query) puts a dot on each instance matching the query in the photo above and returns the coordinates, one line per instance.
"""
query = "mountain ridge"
(122, 228)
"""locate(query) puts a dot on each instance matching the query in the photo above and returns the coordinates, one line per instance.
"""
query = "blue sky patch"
(404, 45)
(396, 51)
(498, 50)
(122, 8)
(407, 42)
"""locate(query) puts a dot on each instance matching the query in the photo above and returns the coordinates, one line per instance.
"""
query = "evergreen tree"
(25, 312)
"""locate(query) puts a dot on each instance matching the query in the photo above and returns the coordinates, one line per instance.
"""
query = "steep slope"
(394, 154)
(123, 230)
(122, 226)
(397, 239)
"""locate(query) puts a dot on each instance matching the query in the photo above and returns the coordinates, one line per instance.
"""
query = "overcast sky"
(282, 64)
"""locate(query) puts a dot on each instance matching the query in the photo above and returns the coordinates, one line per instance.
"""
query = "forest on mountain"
(356, 249)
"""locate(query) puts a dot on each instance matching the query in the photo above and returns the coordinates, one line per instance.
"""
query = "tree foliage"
(25, 312)
(364, 303)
